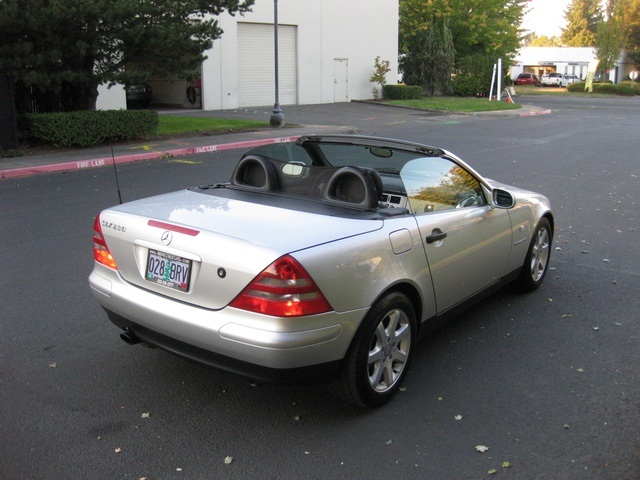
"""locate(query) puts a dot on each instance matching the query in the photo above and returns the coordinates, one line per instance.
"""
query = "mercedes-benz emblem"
(166, 237)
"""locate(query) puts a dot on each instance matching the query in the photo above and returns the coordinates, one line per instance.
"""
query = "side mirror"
(502, 198)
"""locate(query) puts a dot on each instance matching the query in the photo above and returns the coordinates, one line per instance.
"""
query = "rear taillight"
(283, 289)
(100, 250)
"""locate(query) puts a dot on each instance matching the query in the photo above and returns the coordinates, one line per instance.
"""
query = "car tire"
(191, 95)
(536, 263)
(379, 357)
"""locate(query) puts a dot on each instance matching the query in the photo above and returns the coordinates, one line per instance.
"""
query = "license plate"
(168, 270)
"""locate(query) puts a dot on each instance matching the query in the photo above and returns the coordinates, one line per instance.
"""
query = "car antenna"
(115, 170)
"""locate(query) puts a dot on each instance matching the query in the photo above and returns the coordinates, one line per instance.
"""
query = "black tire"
(379, 357)
(191, 95)
(536, 263)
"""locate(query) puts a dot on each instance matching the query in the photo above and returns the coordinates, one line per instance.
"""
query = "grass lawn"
(456, 104)
(175, 125)
(170, 125)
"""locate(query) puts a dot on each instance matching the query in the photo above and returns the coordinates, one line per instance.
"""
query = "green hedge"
(634, 85)
(606, 88)
(402, 92)
(89, 128)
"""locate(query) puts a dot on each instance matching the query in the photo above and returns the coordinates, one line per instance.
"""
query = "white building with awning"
(571, 60)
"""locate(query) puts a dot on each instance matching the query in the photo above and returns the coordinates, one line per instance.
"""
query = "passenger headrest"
(255, 172)
(354, 186)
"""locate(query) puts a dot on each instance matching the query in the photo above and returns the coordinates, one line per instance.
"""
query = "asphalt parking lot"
(548, 382)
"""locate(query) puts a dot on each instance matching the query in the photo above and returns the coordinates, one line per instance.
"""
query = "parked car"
(319, 259)
(528, 79)
(568, 79)
(559, 79)
(552, 79)
(139, 95)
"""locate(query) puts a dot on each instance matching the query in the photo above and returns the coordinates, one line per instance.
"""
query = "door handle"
(436, 235)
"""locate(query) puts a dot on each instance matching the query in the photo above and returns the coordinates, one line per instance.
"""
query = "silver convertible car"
(323, 258)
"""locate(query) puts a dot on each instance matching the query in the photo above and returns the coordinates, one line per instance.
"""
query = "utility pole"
(277, 117)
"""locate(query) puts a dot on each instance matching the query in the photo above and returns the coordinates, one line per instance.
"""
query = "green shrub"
(89, 128)
(10, 153)
(604, 88)
(402, 92)
(576, 87)
(634, 85)
(473, 76)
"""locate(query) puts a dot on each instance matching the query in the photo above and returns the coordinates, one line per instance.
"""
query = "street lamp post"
(277, 117)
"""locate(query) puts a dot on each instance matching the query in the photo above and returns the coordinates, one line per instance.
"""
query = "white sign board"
(591, 72)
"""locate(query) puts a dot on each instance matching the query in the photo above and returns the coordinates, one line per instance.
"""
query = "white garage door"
(256, 66)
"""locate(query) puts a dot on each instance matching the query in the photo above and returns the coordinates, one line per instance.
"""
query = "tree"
(611, 35)
(473, 75)
(544, 41)
(432, 61)
(66, 48)
(489, 27)
(583, 17)
(632, 22)
(484, 27)
(443, 54)
(379, 75)
(527, 38)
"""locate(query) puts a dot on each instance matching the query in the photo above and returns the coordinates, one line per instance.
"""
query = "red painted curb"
(532, 114)
(101, 162)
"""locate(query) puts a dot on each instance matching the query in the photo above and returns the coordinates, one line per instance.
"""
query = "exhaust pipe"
(128, 336)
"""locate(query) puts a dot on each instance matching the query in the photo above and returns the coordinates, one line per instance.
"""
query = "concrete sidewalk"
(342, 118)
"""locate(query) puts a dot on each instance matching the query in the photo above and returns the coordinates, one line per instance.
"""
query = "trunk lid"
(217, 245)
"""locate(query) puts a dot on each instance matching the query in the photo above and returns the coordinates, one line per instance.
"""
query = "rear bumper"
(229, 338)
(315, 373)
